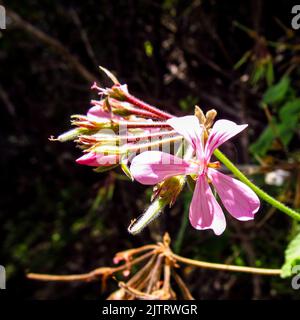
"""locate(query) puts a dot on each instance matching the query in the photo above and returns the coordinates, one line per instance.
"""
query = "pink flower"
(241, 202)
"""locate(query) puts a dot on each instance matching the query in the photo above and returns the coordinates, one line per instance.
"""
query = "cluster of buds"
(117, 127)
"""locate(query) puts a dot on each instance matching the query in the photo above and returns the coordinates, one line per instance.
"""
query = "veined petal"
(205, 212)
(189, 127)
(222, 131)
(151, 167)
(238, 199)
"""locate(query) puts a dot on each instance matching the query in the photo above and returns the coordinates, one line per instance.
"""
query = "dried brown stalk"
(153, 280)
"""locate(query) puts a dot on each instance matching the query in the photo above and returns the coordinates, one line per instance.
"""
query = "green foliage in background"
(292, 256)
(285, 105)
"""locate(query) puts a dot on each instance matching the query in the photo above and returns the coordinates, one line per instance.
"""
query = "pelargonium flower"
(152, 167)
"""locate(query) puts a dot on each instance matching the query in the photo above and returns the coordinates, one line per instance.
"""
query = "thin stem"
(184, 223)
(225, 267)
(145, 106)
(106, 271)
(184, 289)
(262, 194)
(117, 105)
(141, 113)
(140, 124)
(126, 138)
(138, 147)
(90, 275)
(154, 144)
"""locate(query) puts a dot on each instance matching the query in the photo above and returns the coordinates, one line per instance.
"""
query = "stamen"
(214, 165)
(95, 86)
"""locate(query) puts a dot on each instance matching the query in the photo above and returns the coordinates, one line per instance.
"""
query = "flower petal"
(151, 167)
(205, 212)
(95, 160)
(222, 131)
(238, 199)
(98, 113)
(189, 127)
(88, 159)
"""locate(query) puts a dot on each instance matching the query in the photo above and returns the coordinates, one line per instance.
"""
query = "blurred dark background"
(62, 218)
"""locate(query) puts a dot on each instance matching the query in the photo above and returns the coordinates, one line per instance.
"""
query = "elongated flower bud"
(154, 210)
(71, 134)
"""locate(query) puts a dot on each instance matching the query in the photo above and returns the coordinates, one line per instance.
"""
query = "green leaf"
(292, 257)
(290, 110)
(277, 92)
(287, 130)
(188, 103)
(257, 74)
(264, 142)
(243, 60)
(289, 116)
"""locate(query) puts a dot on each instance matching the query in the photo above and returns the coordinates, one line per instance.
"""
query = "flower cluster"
(155, 148)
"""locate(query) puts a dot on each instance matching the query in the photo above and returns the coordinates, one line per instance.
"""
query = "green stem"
(184, 223)
(262, 194)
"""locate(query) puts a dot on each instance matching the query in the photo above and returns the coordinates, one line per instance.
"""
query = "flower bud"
(70, 135)
(200, 115)
(210, 118)
(154, 210)
(169, 189)
(118, 92)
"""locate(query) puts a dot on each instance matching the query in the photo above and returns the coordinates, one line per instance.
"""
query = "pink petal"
(151, 167)
(189, 127)
(222, 131)
(95, 160)
(238, 199)
(97, 112)
(205, 212)
(88, 159)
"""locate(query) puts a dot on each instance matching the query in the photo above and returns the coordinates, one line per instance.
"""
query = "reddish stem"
(145, 106)
(138, 124)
